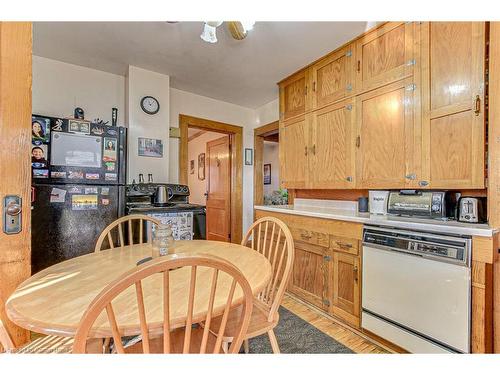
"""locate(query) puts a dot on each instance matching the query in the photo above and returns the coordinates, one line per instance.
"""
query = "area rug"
(295, 335)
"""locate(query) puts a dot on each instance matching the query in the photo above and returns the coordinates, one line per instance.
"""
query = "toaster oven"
(428, 204)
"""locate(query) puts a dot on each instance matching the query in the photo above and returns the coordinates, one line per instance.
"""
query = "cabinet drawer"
(308, 236)
(345, 245)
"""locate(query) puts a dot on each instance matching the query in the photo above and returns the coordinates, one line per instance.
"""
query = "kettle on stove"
(161, 196)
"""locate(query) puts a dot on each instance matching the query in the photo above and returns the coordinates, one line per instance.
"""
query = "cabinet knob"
(411, 176)
(348, 179)
(423, 183)
(477, 110)
(305, 150)
(355, 271)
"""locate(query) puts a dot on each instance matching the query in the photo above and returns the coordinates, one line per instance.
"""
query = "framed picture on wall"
(201, 166)
(150, 147)
(191, 167)
(267, 174)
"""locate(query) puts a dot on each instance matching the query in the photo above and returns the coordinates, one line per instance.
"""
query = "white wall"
(198, 188)
(60, 87)
(140, 83)
(271, 156)
(186, 103)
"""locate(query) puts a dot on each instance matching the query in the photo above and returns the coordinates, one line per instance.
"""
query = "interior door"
(332, 150)
(387, 148)
(219, 190)
(453, 103)
(15, 168)
(294, 150)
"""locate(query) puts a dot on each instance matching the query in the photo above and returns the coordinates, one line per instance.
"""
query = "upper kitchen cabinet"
(333, 78)
(331, 157)
(294, 151)
(386, 54)
(453, 127)
(294, 98)
(387, 150)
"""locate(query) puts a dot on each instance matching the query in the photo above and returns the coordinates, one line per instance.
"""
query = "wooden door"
(294, 151)
(346, 287)
(333, 77)
(332, 147)
(218, 164)
(453, 55)
(294, 98)
(387, 149)
(385, 55)
(309, 279)
(15, 169)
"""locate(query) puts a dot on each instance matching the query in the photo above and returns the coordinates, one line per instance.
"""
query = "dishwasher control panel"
(428, 245)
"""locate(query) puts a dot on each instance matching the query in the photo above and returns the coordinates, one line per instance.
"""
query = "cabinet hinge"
(348, 53)
(349, 87)
(348, 107)
(326, 302)
(411, 87)
(411, 62)
(327, 258)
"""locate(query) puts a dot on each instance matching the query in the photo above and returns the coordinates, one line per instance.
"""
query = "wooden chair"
(42, 345)
(187, 339)
(272, 238)
(125, 234)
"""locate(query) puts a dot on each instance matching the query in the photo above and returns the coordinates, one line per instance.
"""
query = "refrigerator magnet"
(92, 176)
(76, 175)
(40, 173)
(105, 201)
(110, 177)
(83, 202)
(58, 174)
(105, 191)
(75, 190)
(57, 195)
(91, 190)
(110, 166)
(109, 149)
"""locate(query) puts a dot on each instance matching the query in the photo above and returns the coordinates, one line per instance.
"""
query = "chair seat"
(258, 322)
(48, 345)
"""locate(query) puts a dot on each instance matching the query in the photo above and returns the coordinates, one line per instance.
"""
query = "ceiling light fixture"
(209, 33)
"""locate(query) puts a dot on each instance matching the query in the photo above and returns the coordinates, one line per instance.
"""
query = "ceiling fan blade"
(236, 30)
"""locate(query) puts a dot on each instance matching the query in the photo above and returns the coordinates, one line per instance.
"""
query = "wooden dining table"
(53, 301)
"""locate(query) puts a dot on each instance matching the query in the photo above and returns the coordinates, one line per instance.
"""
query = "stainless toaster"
(472, 209)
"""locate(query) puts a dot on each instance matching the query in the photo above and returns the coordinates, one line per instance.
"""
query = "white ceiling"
(240, 72)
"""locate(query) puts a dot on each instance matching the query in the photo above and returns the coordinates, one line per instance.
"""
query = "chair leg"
(274, 342)
(105, 345)
(246, 347)
(225, 346)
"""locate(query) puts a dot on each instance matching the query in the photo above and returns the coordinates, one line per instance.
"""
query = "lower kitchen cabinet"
(309, 280)
(346, 282)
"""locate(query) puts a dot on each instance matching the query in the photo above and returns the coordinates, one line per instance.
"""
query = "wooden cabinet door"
(333, 77)
(332, 147)
(294, 100)
(309, 279)
(294, 151)
(346, 287)
(385, 55)
(453, 104)
(387, 149)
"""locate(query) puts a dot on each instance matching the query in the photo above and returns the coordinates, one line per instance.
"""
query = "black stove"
(188, 220)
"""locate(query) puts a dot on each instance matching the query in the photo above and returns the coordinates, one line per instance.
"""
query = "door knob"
(13, 209)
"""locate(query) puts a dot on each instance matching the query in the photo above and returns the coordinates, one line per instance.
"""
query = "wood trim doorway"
(259, 135)
(236, 139)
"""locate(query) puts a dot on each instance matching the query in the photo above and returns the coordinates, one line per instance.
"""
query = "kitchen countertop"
(345, 214)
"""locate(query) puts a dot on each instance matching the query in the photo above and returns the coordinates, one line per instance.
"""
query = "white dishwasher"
(416, 289)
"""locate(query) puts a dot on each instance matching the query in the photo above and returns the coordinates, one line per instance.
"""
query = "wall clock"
(150, 105)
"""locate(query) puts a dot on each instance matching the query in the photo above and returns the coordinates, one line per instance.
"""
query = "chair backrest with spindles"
(122, 230)
(219, 267)
(5, 339)
(272, 238)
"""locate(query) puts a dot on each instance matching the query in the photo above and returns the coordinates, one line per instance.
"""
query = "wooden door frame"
(236, 143)
(258, 174)
(15, 171)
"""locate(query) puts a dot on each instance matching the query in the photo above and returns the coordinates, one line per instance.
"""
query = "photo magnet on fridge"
(39, 156)
(83, 202)
(109, 149)
(40, 130)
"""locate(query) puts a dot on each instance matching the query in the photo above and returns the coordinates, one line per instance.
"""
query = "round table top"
(54, 300)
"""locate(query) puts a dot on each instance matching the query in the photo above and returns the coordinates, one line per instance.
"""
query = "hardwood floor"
(345, 336)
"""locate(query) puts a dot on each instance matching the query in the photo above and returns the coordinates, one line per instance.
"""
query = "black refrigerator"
(78, 186)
